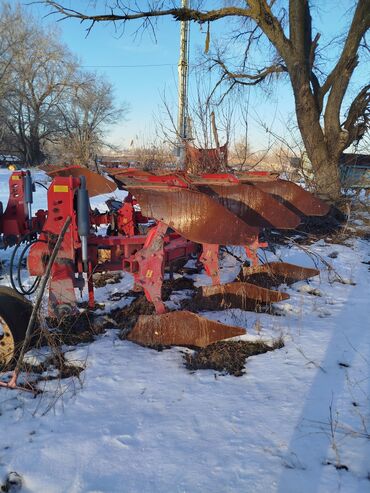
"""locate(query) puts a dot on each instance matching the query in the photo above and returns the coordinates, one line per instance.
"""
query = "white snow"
(139, 421)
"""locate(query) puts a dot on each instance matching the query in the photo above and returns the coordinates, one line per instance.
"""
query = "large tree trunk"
(325, 163)
(327, 177)
(34, 155)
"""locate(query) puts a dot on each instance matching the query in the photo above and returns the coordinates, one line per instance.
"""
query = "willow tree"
(327, 121)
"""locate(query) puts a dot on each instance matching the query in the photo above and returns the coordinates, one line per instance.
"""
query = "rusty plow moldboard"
(276, 273)
(194, 215)
(181, 328)
(294, 197)
(254, 206)
(242, 295)
(96, 184)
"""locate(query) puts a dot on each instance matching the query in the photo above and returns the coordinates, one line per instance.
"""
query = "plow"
(164, 220)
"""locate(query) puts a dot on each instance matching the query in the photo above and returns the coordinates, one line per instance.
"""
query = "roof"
(9, 158)
(358, 160)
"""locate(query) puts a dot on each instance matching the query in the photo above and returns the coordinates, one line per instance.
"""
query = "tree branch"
(358, 116)
(338, 79)
(360, 24)
(253, 78)
(261, 12)
(179, 14)
(300, 28)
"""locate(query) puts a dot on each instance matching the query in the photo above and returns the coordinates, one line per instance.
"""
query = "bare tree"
(10, 38)
(207, 123)
(85, 115)
(326, 127)
(39, 76)
(46, 102)
(153, 156)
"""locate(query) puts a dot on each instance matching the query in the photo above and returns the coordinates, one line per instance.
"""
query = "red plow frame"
(180, 216)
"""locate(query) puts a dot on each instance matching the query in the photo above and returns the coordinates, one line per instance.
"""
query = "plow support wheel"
(15, 312)
(181, 328)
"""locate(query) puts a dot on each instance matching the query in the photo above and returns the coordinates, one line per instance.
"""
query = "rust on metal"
(293, 196)
(257, 175)
(252, 205)
(181, 328)
(127, 172)
(95, 183)
(277, 272)
(193, 215)
(161, 181)
(242, 295)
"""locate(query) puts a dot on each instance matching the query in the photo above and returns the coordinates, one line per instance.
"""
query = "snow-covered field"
(296, 422)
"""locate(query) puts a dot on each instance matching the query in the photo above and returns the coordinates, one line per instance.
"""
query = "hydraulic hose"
(16, 280)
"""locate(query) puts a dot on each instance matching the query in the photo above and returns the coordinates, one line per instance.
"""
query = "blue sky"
(143, 86)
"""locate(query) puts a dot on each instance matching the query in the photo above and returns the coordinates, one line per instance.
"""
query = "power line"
(137, 66)
(131, 66)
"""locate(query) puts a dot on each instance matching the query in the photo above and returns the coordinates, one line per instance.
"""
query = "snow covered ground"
(296, 421)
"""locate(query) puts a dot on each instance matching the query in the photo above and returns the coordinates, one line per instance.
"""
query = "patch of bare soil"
(190, 270)
(176, 285)
(264, 279)
(85, 306)
(228, 356)
(116, 296)
(126, 317)
(72, 330)
(220, 302)
(104, 278)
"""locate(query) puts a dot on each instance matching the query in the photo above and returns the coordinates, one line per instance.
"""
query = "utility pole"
(183, 67)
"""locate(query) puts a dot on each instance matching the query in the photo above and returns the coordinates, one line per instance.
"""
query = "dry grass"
(228, 356)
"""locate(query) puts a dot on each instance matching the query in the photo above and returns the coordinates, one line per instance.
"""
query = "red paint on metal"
(209, 259)
(61, 204)
(150, 261)
(220, 177)
(14, 222)
(62, 297)
(90, 287)
(251, 251)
